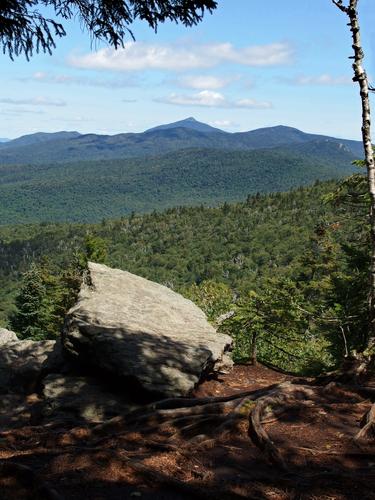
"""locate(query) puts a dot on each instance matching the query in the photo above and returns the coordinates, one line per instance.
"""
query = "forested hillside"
(89, 191)
(287, 241)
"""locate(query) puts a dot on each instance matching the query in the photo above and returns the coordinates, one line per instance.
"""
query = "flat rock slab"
(132, 327)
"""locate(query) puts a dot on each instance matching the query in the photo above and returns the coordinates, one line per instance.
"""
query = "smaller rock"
(24, 362)
(81, 399)
(7, 336)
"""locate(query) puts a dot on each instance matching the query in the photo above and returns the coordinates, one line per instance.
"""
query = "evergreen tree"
(29, 320)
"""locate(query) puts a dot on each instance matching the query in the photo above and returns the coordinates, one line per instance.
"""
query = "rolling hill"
(89, 191)
(38, 138)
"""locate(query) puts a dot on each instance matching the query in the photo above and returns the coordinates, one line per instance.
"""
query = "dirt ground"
(154, 457)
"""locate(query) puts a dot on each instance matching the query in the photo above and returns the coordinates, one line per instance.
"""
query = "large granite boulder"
(141, 331)
(24, 362)
(7, 336)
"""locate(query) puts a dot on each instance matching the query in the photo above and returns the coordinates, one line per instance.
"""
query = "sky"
(251, 64)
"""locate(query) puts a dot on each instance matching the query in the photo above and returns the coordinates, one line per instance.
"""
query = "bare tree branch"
(340, 5)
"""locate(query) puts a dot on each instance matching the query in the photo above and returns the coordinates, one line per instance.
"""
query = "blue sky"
(251, 64)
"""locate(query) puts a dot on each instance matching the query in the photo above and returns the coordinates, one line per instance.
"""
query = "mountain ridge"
(72, 146)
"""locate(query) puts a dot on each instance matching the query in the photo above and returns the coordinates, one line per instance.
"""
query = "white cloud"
(203, 98)
(252, 103)
(42, 77)
(324, 79)
(211, 99)
(34, 101)
(208, 82)
(223, 124)
(137, 56)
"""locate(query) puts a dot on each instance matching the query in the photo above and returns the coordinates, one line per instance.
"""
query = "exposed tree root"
(277, 398)
(364, 391)
(202, 423)
(176, 403)
(215, 416)
(367, 433)
(172, 412)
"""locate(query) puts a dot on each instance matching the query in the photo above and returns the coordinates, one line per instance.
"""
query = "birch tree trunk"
(351, 10)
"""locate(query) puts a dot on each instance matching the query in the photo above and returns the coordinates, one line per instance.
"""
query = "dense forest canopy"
(89, 191)
(259, 254)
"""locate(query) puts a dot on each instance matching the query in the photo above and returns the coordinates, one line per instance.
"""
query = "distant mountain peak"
(190, 123)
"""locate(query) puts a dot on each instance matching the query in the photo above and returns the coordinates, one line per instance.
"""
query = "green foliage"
(336, 270)
(260, 238)
(114, 188)
(213, 298)
(272, 326)
(30, 319)
(48, 291)
(94, 250)
(44, 298)
(304, 262)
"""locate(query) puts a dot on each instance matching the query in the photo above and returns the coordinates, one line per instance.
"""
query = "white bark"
(351, 10)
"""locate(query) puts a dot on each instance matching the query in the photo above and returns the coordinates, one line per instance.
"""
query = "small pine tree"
(29, 318)
(45, 297)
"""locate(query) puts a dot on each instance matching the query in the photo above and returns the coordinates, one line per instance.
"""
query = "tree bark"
(360, 76)
(254, 360)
